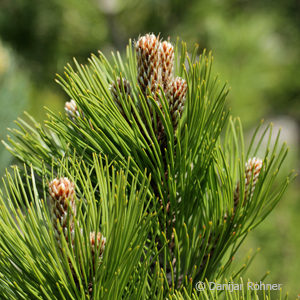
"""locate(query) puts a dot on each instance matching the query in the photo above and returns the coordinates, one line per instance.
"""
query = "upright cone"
(63, 206)
(252, 169)
(176, 96)
(148, 64)
(117, 89)
(167, 63)
(97, 243)
(71, 109)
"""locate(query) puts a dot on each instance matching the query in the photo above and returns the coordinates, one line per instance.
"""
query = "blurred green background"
(256, 47)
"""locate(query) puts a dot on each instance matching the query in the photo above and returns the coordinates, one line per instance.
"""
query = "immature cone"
(63, 206)
(148, 63)
(167, 63)
(116, 88)
(97, 244)
(176, 97)
(252, 169)
(71, 109)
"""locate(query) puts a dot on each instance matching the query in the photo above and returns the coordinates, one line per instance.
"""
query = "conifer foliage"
(142, 189)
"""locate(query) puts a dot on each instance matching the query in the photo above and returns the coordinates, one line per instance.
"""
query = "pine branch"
(164, 111)
(38, 263)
